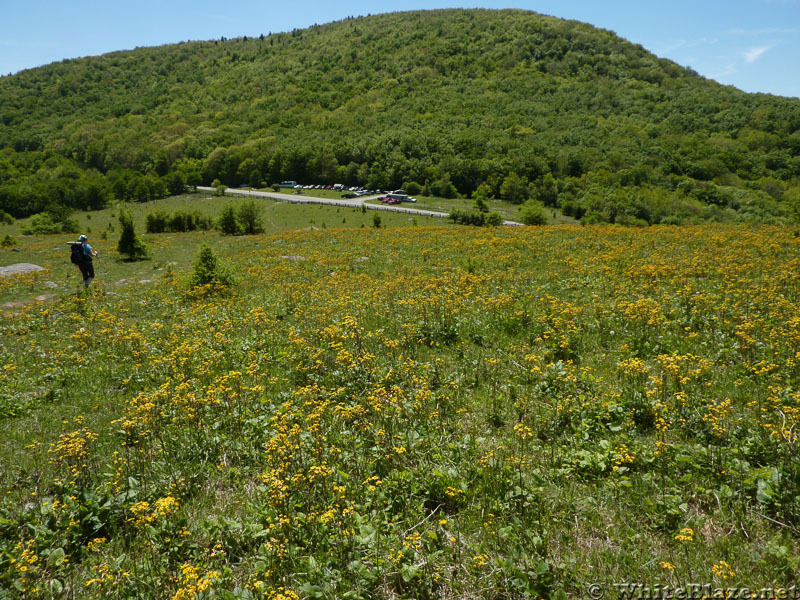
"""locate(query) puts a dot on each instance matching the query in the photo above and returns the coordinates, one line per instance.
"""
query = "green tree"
(227, 222)
(444, 187)
(175, 184)
(412, 188)
(547, 190)
(533, 213)
(514, 188)
(141, 191)
(210, 270)
(248, 217)
(193, 178)
(129, 243)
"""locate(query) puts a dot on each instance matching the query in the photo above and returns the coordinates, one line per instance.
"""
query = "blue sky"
(751, 44)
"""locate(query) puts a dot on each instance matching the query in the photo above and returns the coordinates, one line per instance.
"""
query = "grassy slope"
(417, 411)
(50, 251)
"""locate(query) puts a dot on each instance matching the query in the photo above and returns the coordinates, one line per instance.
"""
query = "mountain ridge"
(452, 99)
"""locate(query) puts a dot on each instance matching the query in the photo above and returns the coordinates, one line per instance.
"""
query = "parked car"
(349, 195)
(397, 197)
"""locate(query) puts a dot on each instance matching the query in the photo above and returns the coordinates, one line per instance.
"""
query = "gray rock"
(19, 268)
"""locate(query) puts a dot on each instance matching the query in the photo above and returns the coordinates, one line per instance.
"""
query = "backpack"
(77, 256)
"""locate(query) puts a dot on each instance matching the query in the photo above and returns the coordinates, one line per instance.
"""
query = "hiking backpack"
(77, 256)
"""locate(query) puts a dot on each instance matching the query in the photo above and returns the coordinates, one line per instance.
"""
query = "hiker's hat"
(82, 238)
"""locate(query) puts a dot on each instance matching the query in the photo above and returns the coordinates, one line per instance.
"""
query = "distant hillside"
(500, 103)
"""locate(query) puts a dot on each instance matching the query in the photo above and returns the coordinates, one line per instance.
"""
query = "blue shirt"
(87, 251)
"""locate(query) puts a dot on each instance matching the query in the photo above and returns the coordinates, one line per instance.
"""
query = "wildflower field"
(420, 412)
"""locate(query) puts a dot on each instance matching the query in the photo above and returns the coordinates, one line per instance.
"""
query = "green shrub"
(469, 217)
(412, 188)
(210, 270)
(129, 243)
(160, 221)
(532, 213)
(156, 222)
(8, 241)
(593, 217)
(493, 219)
(248, 217)
(41, 224)
(227, 222)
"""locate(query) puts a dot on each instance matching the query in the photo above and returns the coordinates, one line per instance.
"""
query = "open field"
(277, 216)
(413, 412)
(51, 251)
(509, 211)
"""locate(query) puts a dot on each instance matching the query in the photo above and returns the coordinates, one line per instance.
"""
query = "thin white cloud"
(764, 31)
(754, 54)
(724, 71)
(684, 44)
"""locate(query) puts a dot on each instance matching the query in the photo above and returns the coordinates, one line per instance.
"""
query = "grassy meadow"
(406, 412)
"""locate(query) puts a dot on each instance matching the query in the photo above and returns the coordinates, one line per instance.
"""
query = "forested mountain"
(505, 103)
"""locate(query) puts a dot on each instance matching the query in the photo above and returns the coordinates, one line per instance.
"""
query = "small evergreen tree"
(129, 243)
(209, 270)
(227, 222)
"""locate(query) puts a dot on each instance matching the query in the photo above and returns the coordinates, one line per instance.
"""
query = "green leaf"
(56, 557)
(409, 572)
(765, 494)
(542, 568)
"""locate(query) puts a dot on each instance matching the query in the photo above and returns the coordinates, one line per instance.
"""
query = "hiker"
(82, 254)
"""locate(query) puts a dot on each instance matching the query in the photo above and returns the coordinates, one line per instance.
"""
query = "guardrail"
(296, 199)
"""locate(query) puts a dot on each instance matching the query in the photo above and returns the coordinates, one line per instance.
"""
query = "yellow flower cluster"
(723, 570)
(194, 581)
(685, 535)
(73, 450)
(143, 514)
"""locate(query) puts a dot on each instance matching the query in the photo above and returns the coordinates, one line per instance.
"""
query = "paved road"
(351, 203)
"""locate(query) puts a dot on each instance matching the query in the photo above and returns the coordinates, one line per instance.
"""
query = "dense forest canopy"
(507, 103)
